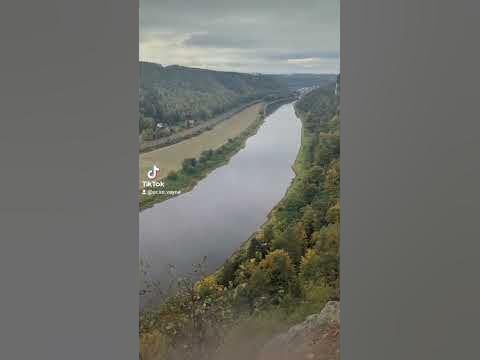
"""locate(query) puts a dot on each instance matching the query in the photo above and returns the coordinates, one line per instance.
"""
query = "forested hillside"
(177, 96)
(286, 271)
(297, 81)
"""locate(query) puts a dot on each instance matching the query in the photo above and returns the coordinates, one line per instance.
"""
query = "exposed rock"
(316, 338)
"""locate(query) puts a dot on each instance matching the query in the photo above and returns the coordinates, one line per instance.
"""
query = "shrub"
(326, 239)
(319, 268)
(189, 165)
(290, 242)
(172, 175)
(310, 266)
(274, 276)
(333, 214)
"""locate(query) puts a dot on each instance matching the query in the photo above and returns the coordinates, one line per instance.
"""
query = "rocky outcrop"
(317, 338)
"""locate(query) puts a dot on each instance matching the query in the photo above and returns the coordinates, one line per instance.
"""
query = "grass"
(170, 158)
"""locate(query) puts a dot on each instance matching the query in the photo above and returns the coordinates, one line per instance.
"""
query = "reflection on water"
(226, 207)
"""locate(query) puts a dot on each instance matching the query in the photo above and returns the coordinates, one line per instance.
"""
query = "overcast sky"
(267, 36)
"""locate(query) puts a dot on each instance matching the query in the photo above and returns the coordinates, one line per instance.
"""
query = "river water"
(225, 208)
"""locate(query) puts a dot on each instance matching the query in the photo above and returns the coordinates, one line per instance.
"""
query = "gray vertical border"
(410, 179)
(410, 175)
(68, 184)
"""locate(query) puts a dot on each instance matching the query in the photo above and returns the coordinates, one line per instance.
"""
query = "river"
(225, 208)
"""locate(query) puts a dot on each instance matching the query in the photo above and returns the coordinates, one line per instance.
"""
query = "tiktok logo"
(152, 174)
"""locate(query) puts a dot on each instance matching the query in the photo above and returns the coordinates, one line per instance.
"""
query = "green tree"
(310, 266)
(268, 233)
(172, 176)
(289, 242)
(147, 134)
(308, 221)
(273, 276)
(327, 239)
(189, 165)
(255, 249)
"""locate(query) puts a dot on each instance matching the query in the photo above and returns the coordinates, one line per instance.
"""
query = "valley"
(249, 247)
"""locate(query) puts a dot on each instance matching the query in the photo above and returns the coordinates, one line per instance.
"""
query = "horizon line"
(240, 72)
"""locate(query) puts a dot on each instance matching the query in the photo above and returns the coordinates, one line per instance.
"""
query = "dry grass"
(170, 158)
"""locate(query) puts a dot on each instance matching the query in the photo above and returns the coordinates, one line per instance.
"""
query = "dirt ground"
(318, 344)
(170, 158)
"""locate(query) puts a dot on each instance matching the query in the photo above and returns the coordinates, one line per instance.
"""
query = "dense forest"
(297, 81)
(284, 272)
(174, 97)
(177, 96)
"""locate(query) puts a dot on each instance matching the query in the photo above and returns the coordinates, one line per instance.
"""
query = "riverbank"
(170, 158)
(283, 213)
(194, 170)
(299, 168)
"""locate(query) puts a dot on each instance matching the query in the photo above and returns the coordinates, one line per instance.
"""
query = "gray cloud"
(304, 55)
(219, 41)
(252, 36)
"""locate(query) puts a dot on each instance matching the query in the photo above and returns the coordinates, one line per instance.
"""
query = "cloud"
(304, 61)
(250, 36)
(289, 55)
(219, 41)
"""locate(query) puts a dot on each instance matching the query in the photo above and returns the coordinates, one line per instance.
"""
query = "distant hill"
(316, 101)
(297, 81)
(173, 94)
